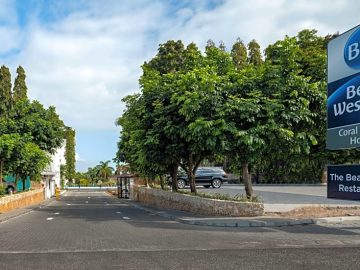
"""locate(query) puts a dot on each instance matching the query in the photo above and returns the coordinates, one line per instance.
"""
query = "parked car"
(204, 176)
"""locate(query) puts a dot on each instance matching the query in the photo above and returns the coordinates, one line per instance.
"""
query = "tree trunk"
(225, 164)
(247, 180)
(162, 182)
(174, 173)
(23, 183)
(191, 174)
(324, 175)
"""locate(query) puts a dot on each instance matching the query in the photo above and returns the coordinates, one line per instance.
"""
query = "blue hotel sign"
(343, 103)
(344, 182)
(343, 111)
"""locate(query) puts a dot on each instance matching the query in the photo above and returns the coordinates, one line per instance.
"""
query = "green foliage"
(266, 117)
(2, 189)
(239, 54)
(20, 88)
(104, 170)
(254, 53)
(28, 131)
(29, 160)
(70, 153)
(5, 91)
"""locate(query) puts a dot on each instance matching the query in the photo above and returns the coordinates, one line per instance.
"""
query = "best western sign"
(343, 111)
(343, 104)
(344, 182)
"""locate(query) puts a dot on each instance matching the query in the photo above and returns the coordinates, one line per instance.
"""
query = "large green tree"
(254, 53)
(29, 132)
(104, 170)
(5, 91)
(70, 153)
(27, 160)
(239, 54)
(20, 88)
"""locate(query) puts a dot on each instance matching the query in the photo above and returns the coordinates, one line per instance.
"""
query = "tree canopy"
(265, 115)
(29, 133)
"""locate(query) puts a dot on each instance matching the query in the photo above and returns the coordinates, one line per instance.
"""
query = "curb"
(243, 222)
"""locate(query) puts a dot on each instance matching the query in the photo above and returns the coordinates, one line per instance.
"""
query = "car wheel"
(10, 190)
(206, 186)
(181, 183)
(216, 183)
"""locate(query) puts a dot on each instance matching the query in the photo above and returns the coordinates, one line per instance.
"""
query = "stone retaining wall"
(22, 199)
(171, 200)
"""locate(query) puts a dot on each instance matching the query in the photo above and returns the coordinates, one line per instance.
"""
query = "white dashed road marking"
(126, 218)
(49, 218)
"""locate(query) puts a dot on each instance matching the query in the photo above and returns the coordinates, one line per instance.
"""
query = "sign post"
(343, 111)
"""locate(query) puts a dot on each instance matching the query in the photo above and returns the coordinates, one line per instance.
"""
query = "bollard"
(57, 193)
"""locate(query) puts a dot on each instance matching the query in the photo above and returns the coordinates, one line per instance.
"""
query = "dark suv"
(204, 176)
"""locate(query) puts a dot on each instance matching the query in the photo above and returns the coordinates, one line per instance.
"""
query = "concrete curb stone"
(242, 222)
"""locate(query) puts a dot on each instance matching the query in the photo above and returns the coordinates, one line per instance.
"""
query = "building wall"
(51, 175)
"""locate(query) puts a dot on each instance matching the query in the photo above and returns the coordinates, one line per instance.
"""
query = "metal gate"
(123, 186)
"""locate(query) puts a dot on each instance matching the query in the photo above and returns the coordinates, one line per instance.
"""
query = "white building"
(51, 175)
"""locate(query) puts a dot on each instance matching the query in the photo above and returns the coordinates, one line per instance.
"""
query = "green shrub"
(2, 189)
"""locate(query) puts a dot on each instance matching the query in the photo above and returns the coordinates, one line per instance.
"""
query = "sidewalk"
(263, 221)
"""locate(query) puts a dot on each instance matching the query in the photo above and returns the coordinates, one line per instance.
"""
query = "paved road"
(91, 230)
(281, 198)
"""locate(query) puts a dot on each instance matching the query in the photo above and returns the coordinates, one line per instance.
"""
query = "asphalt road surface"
(91, 230)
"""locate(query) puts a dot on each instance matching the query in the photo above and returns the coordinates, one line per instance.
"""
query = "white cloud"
(84, 65)
(85, 62)
(266, 21)
(78, 158)
(9, 31)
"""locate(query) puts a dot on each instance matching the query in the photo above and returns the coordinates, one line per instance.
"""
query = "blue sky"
(84, 56)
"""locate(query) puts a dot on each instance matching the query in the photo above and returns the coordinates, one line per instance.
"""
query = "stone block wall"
(171, 200)
(22, 199)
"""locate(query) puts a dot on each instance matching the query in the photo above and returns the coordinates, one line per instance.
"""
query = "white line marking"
(57, 213)
(118, 212)
(126, 218)
(68, 204)
(50, 218)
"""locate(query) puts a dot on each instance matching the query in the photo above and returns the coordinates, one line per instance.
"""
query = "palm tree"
(104, 170)
(93, 174)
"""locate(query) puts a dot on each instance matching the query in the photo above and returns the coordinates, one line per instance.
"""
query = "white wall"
(51, 175)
